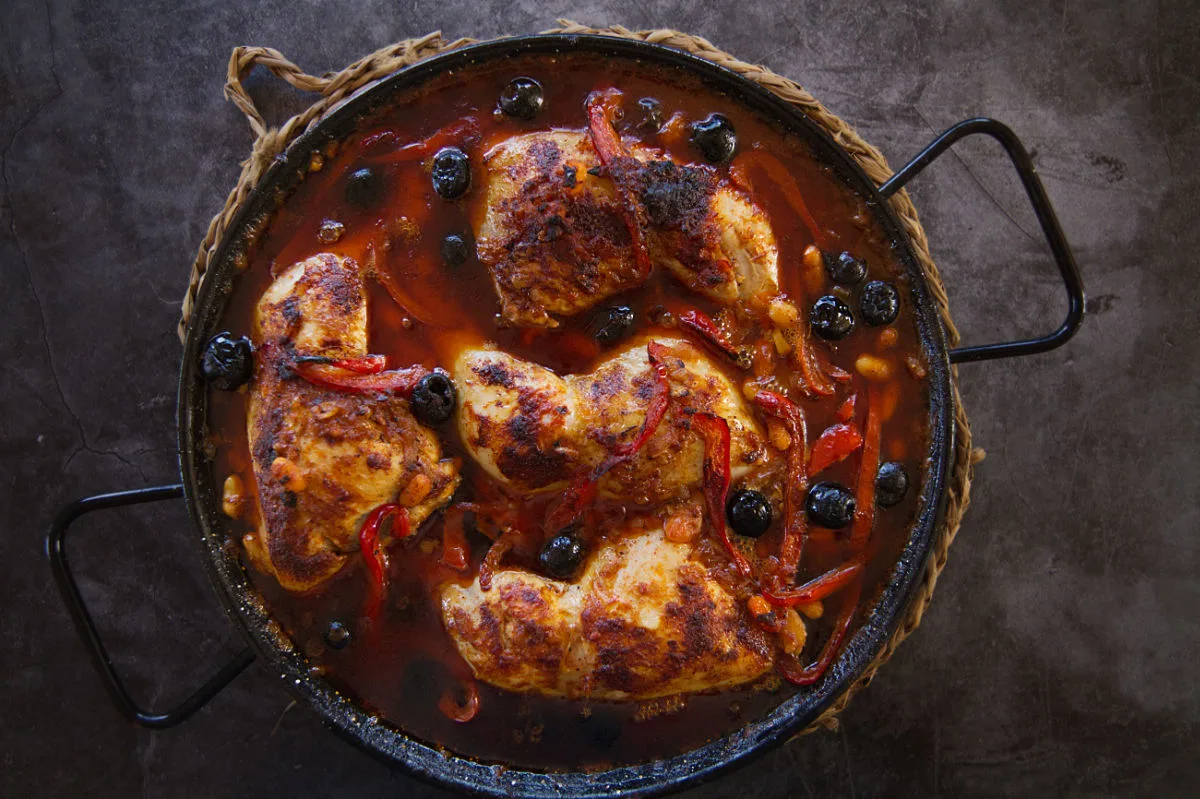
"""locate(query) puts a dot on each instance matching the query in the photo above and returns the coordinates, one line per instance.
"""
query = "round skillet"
(416, 757)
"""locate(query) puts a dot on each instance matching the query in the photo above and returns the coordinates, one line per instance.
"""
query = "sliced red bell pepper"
(715, 432)
(777, 172)
(372, 550)
(834, 445)
(703, 325)
(363, 365)
(864, 495)
(582, 491)
(458, 132)
(796, 674)
(621, 167)
(795, 526)
(845, 411)
(328, 375)
(817, 588)
(454, 541)
(493, 558)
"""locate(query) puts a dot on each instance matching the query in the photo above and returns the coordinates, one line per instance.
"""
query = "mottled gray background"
(1060, 654)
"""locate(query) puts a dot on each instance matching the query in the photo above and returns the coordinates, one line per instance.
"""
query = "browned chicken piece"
(323, 459)
(644, 620)
(555, 238)
(535, 431)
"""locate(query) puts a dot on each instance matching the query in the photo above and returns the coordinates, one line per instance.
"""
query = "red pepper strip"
(454, 133)
(777, 172)
(818, 587)
(327, 375)
(845, 412)
(715, 432)
(795, 526)
(864, 495)
(703, 325)
(583, 490)
(372, 550)
(621, 166)
(495, 554)
(460, 707)
(363, 365)
(454, 542)
(834, 445)
(815, 381)
(808, 675)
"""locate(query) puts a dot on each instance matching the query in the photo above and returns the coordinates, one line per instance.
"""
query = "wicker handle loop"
(244, 59)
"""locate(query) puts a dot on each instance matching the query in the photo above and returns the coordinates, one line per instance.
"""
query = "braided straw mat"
(335, 87)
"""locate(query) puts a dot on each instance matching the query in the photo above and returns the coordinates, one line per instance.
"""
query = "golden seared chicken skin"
(535, 431)
(322, 458)
(558, 237)
(644, 620)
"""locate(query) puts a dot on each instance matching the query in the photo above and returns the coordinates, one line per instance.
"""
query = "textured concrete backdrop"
(1060, 654)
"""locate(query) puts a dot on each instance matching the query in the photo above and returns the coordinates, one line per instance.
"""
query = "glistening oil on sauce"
(401, 667)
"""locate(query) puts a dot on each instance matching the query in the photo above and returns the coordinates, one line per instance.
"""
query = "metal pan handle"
(57, 552)
(1045, 214)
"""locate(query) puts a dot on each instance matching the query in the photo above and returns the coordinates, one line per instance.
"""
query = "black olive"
(749, 512)
(652, 116)
(830, 505)
(522, 98)
(451, 173)
(880, 303)
(561, 556)
(891, 484)
(337, 636)
(455, 250)
(433, 399)
(831, 318)
(615, 323)
(715, 137)
(364, 188)
(844, 269)
(228, 361)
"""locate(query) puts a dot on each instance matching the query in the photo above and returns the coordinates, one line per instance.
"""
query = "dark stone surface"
(1060, 654)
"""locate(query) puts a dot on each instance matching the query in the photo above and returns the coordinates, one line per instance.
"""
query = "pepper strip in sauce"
(602, 106)
(819, 587)
(834, 445)
(363, 365)
(864, 514)
(328, 375)
(757, 159)
(372, 550)
(795, 531)
(702, 324)
(715, 432)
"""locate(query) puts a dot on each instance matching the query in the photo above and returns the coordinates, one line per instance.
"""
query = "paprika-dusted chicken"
(324, 458)
(644, 620)
(535, 430)
(558, 237)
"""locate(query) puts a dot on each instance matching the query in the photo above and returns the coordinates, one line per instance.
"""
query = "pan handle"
(57, 552)
(1045, 214)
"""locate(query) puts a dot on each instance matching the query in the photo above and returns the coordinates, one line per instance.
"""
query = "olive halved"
(433, 399)
(561, 556)
(615, 323)
(891, 484)
(831, 318)
(522, 98)
(844, 269)
(880, 303)
(364, 188)
(455, 250)
(748, 512)
(228, 361)
(338, 635)
(830, 505)
(715, 137)
(451, 173)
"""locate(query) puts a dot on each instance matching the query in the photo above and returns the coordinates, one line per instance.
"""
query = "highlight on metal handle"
(57, 552)
(1046, 217)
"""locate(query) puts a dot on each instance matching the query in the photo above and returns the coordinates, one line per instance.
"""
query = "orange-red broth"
(401, 671)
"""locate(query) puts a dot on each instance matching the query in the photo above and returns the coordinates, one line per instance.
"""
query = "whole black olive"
(615, 322)
(337, 636)
(715, 137)
(831, 318)
(364, 188)
(830, 505)
(455, 250)
(433, 399)
(451, 173)
(228, 361)
(749, 512)
(880, 303)
(891, 484)
(651, 111)
(561, 556)
(844, 269)
(522, 98)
